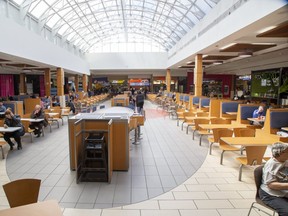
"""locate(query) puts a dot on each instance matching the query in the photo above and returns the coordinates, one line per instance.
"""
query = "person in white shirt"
(274, 188)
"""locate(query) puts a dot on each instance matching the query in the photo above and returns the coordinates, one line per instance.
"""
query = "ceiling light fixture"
(229, 45)
(217, 62)
(245, 54)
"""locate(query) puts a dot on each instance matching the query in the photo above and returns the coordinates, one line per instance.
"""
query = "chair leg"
(251, 207)
(177, 122)
(200, 139)
(3, 157)
(31, 137)
(240, 172)
(221, 158)
(210, 148)
(193, 134)
(182, 125)
(187, 129)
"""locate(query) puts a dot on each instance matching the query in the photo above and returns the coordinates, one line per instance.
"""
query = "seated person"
(274, 188)
(13, 121)
(2, 107)
(258, 112)
(38, 126)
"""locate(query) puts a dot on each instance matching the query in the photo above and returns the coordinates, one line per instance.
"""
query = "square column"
(60, 81)
(22, 83)
(198, 75)
(84, 82)
(47, 81)
(76, 82)
(168, 80)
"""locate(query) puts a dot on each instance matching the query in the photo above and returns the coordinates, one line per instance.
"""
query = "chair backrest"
(202, 114)
(258, 172)
(220, 121)
(224, 133)
(247, 132)
(190, 114)
(198, 121)
(255, 154)
(216, 134)
(244, 132)
(22, 191)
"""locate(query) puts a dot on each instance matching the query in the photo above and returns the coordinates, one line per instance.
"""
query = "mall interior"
(87, 63)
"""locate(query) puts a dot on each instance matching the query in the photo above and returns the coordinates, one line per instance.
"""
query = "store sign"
(139, 82)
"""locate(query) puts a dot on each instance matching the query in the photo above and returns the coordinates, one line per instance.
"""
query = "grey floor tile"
(122, 195)
(85, 205)
(51, 180)
(168, 181)
(56, 193)
(151, 170)
(153, 181)
(139, 194)
(72, 195)
(153, 192)
(139, 182)
(89, 194)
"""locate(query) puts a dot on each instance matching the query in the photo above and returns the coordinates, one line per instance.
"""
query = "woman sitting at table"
(274, 188)
(38, 113)
(12, 121)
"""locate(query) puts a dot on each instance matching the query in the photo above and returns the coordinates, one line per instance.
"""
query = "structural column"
(168, 80)
(47, 81)
(84, 82)
(76, 82)
(22, 83)
(60, 81)
(90, 83)
(198, 75)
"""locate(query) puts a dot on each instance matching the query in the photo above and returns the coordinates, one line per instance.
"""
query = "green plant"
(284, 87)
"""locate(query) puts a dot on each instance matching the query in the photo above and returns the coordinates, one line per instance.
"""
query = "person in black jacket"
(38, 113)
(140, 101)
(12, 121)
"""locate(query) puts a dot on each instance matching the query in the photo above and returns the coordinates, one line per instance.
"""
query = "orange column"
(22, 83)
(168, 80)
(47, 81)
(90, 83)
(198, 75)
(76, 82)
(60, 81)
(84, 82)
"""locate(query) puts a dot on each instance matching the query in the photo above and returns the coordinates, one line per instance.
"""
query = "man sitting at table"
(2, 107)
(38, 113)
(274, 188)
(258, 112)
(13, 121)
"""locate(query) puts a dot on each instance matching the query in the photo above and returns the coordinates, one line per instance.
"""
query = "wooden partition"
(118, 140)
(120, 100)
(82, 128)
(229, 107)
(275, 119)
(214, 107)
(16, 106)
(30, 103)
(245, 111)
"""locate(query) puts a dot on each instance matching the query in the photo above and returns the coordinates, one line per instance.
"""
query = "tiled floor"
(165, 158)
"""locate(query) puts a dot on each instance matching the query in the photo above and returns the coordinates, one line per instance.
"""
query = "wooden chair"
(27, 128)
(258, 172)
(199, 130)
(202, 114)
(2, 143)
(22, 192)
(133, 125)
(220, 121)
(214, 139)
(222, 145)
(180, 115)
(47, 117)
(187, 114)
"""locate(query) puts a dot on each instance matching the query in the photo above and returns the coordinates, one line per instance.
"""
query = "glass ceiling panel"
(90, 24)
